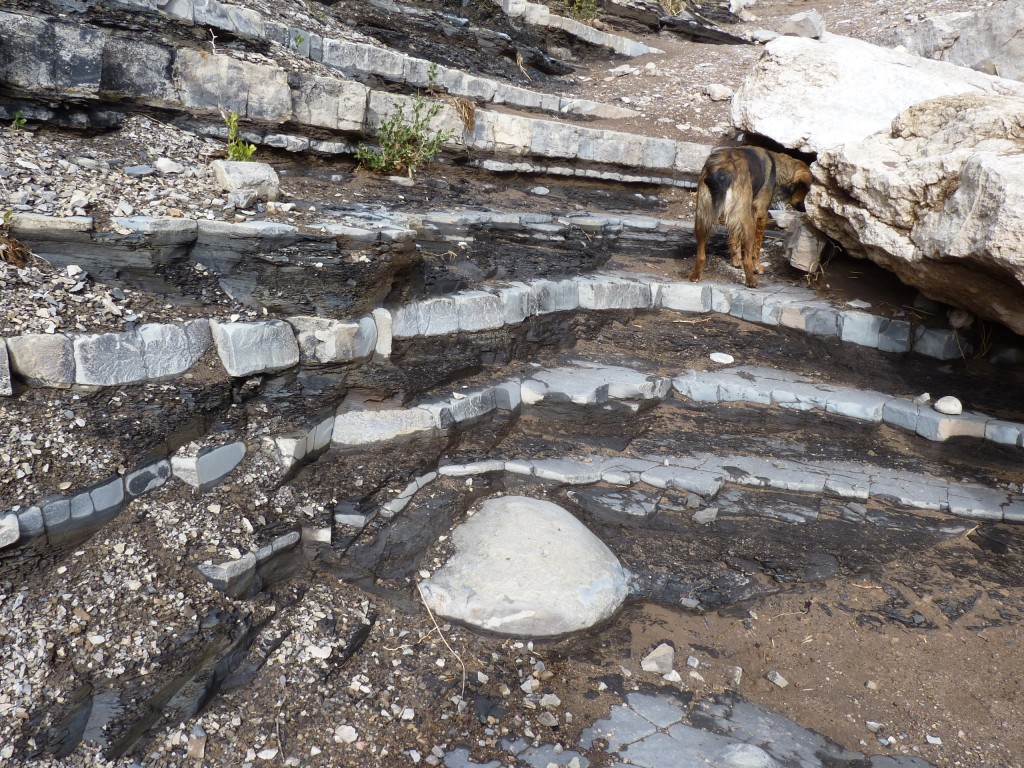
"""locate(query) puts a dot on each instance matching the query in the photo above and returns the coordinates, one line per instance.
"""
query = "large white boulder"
(233, 176)
(938, 199)
(811, 95)
(989, 40)
(526, 567)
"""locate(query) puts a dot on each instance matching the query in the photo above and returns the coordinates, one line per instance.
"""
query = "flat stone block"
(324, 340)
(848, 485)
(743, 389)
(699, 386)
(599, 293)
(10, 530)
(56, 514)
(747, 304)
(556, 296)
(518, 302)
(168, 350)
(940, 344)
(43, 360)
(30, 522)
(148, 478)
(894, 336)
(901, 413)
(625, 470)
(108, 498)
(508, 395)
(721, 298)
(938, 426)
(567, 471)
(519, 467)
(976, 502)
(563, 385)
(384, 324)
(1004, 432)
(683, 297)
(625, 383)
(108, 359)
(861, 328)
(475, 468)
(291, 448)
(918, 493)
(81, 507)
(260, 347)
(822, 321)
(353, 428)
(1013, 510)
(233, 577)
(261, 177)
(706, 484)
(479, 311)
(472, 405)
(5, 371)
(857, 404)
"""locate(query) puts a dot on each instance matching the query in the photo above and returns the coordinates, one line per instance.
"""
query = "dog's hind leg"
(759, 225)
(702, 231)
(750, 252)
(704, 221)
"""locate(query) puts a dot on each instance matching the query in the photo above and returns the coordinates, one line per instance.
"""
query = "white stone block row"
(766, 386)
(207, 467)
(538, 14)
(706, 474)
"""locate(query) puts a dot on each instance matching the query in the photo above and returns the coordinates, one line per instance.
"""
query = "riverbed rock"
(989, 40)
(260, 177)
(524, 566)
(810, 95)
(938, 199)
(804, 24)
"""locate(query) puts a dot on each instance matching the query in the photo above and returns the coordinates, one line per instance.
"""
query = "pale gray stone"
(1004, 432)
(354, 428)
(472, 405)
(988, 39)
(683, 297)
(894, 336)
(474, 468)
(6, 387)
(209, 84)
(948, 405)
(660, 660)
(207, 468)
(568, 471)
(937, 426)
(169, 350)
(976, 502)
(56, 514)
(260, 347)
(610, 292)
(624, 383)
(160, 230)
(508, 395)
(502, 577)
(261, 177)
(706, 484)
(563, 385)
(107, 359)
(941, 344)
(857, 404)
(384, 323)
(30, 522)
(10, 530)
(324, 340)
(429, 317)
(479, 311)
(861, 328)
(518, 301)
(43, 360)
(81, 506)
(699, 386)
(556, 296)
(804, 24)
(901, 413)
(330, 102)
(233, 577)
(919, 492)
(804, 246)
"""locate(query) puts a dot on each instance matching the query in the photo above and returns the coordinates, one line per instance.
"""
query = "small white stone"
(267, 754)
(660, 660)
(345, 734)
(948, 405)
(934, 740)
(923, 398)
(722, 357)
(672, 677)
(873, 726)
(779, 680)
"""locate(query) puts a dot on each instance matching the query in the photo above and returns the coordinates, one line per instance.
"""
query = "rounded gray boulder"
(524, 566)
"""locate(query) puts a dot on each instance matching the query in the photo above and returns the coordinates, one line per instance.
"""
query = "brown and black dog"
(738, 184)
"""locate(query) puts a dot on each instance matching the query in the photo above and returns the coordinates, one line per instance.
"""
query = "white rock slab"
(814, 94)
(261, 177)
(248, 348)
(527, 567)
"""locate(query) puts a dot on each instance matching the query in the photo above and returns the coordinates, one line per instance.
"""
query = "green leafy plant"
(432, 71)
(583, 10)
(299, 40)
(238, 149)
(405, 144)
(19, 121)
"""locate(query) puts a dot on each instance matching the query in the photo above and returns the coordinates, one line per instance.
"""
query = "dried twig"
(437, 626)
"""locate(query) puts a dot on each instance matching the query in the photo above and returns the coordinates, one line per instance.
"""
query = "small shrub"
(299, 40)
(238, 149)
(19, 121)
(583, 10)
(405, 145)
